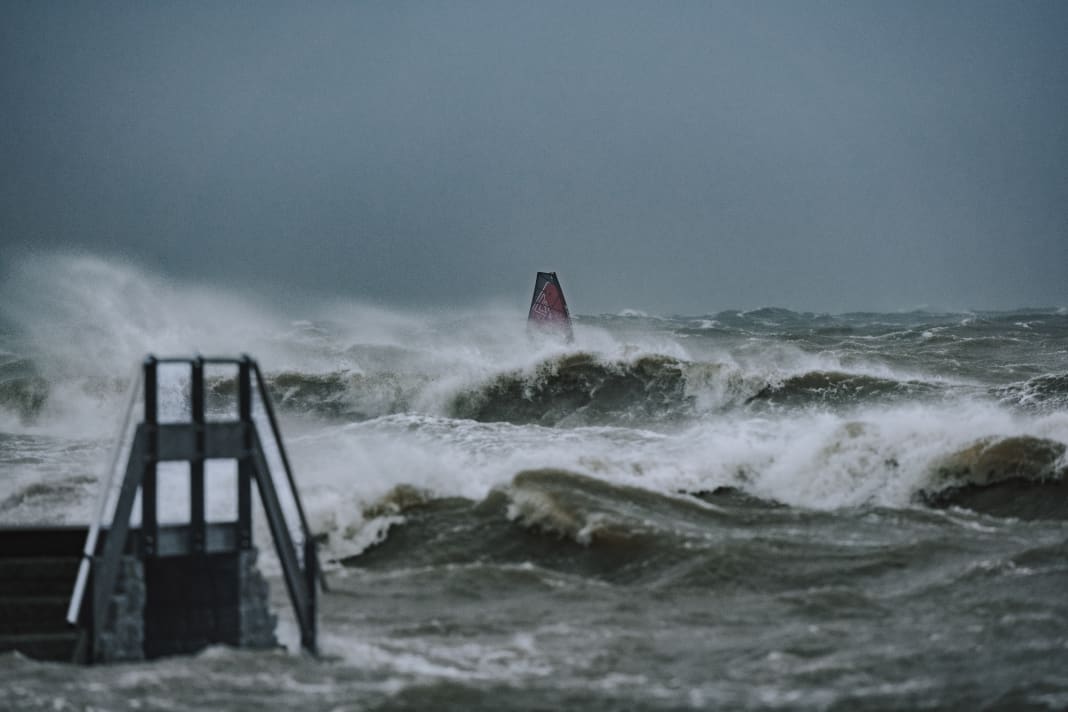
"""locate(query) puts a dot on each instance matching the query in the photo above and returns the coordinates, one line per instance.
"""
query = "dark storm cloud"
(678, 157)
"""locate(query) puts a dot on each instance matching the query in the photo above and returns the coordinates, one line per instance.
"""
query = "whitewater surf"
(763, 509)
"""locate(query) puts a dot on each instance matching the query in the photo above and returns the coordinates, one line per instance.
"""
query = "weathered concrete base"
(181, 604)
(257, 623)
(123, 639)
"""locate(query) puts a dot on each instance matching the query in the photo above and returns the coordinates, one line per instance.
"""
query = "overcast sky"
(667, 156)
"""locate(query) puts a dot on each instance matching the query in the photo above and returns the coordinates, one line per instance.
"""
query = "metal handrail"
(268, 407)
(89, 550)
(301, 589)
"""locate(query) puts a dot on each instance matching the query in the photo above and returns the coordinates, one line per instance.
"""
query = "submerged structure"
(146, 589)
(548, 308)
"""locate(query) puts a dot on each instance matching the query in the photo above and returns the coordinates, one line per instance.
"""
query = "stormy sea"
(752, 510)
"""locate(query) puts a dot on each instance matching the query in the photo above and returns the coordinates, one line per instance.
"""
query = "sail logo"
(548, 308)
(549, 304)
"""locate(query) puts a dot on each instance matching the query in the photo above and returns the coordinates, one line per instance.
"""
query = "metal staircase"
(197, 579)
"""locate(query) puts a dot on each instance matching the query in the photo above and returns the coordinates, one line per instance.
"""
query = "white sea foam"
(87, 323)
(882, 457)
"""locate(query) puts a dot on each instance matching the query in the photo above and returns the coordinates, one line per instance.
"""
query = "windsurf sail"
(548, 308)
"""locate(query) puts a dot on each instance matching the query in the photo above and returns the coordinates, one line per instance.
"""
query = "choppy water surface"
(736, 510)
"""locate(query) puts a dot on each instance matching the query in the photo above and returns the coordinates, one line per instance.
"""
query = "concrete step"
(40, 576)
(30, 542)
(38, 566)
(33, 614)
(42, 646)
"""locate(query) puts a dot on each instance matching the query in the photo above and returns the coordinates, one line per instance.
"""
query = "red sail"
(548, 306)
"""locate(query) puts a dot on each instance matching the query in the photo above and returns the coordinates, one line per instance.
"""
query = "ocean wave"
(581, 389)
(557, 520)
(552, 523)
(1044, 393)
(588, 511)
(834, 388)
(343, 395)
(1019, 476)
(23, 393)
(896, 457)
(48, 492)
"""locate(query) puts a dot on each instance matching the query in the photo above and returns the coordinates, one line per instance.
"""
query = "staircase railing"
(268, 408)
(74, 610)
(194, 442)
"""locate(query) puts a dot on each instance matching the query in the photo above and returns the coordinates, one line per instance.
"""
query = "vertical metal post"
(197, 527)
(149, 516)
(311, 574)
(244, 464)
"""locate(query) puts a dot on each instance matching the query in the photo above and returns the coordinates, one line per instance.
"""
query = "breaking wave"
(562, 521)
(593, 486)
(1044, 393)
(551, 522)
(809, 411)
(585, 389)
(345, 395)
(581, 389)
(1021, 476)
(833, 388)
(23, 392)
